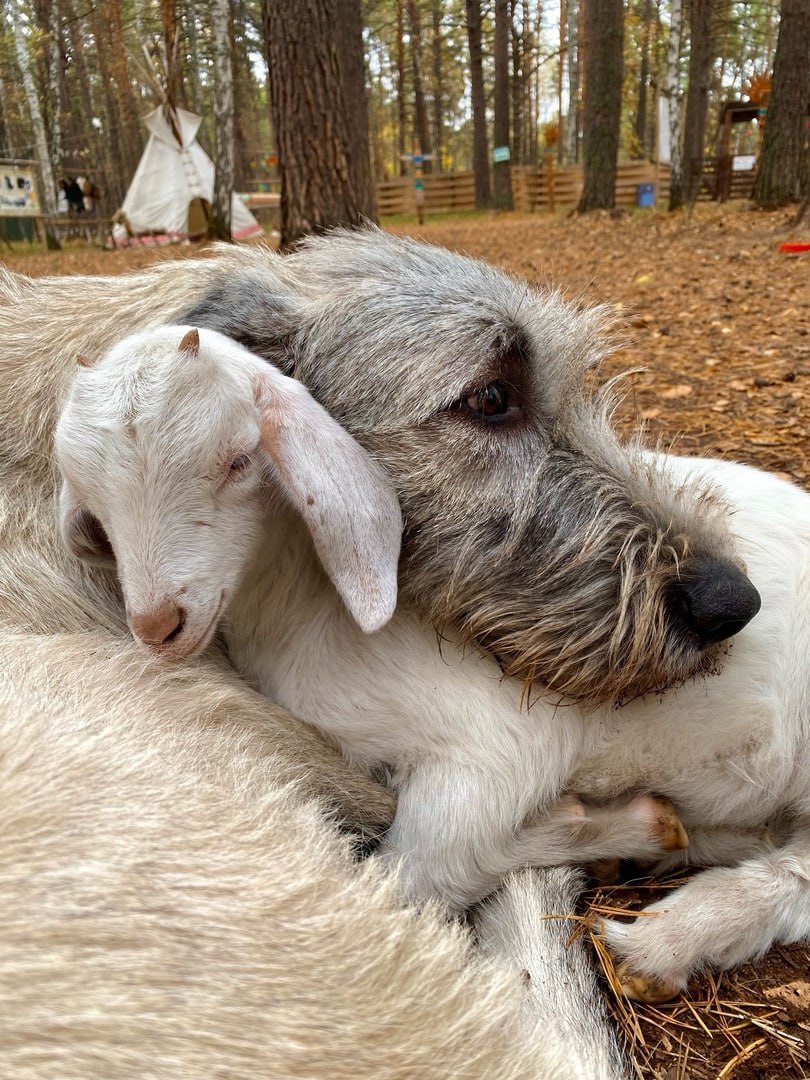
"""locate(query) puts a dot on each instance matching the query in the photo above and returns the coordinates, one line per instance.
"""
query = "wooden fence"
(535, 187)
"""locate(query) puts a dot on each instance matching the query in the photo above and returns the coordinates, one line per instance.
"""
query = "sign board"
(743, 162)
(501, 153)
(18, 192)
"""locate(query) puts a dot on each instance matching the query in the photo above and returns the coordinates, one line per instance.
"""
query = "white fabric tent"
(170, 176)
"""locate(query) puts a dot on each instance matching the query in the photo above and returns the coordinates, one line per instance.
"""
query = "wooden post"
(550, 180)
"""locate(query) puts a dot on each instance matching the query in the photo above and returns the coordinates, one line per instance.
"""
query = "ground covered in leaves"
(718, 319)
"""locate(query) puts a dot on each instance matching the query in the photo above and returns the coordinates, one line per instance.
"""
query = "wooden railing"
(535, 187)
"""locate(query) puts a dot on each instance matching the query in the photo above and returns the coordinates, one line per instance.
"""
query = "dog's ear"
(346, 499)
(81, 531)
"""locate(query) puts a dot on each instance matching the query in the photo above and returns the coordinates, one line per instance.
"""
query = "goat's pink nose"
(160, 626)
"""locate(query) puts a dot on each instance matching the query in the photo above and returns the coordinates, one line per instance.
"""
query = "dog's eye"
(492, 404)
(491, 401)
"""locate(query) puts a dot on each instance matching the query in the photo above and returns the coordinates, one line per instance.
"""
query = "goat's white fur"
(477, 775)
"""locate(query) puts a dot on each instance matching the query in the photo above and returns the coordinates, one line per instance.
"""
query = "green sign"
(501, 153)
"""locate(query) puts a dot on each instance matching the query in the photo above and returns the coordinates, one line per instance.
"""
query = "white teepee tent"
(173, 185)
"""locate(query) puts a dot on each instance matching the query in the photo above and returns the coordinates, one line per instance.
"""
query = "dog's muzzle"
(716, 601)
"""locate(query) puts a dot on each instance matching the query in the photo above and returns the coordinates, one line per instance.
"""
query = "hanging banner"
(18, 192)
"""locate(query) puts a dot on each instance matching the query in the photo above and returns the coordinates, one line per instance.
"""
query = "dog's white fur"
(476, 774)
(176, 900)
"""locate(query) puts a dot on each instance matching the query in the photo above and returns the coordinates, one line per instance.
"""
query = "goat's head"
(168, 447)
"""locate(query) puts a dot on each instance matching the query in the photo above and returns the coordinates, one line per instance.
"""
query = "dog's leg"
(521, 923)
(721, 918)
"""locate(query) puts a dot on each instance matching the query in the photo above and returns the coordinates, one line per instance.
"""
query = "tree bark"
(220, 224)
(171, 32)
(402, 113)
(604, 25)
(438, 86)
(502, 170)
(697, 97)
(315, 59)
(673, 91)
(516, 86)
(642, 126)
(483, 195)
(130, 135)
(420, 111)
(571, 136)
(783, 163)
(37, 122)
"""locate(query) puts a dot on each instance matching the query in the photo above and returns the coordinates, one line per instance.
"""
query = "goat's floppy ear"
(82, 532)
(343, 495)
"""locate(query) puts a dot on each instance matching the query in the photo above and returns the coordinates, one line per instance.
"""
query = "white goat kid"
(177, 451)
(156, 447)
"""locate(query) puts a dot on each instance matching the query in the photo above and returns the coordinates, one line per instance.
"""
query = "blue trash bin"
(645, 195)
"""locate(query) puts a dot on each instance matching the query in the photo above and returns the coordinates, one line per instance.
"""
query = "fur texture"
(476, 774)
(199, 758)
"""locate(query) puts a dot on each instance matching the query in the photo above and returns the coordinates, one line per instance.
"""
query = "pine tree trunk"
(502, 170)
(697, 97)
(130, 135)
(643, 79)
(81, 80)
(783, 163)
(673, 90)
(604, 25)
(220, 225)
(402, 115)
(54, 53)
(116, 171)
(420, 110)
(517, 88)
(479, 109)
(171, 37)
(438, 86)
(37, 122)
(571, 138)
(529, 118)
(322, 133)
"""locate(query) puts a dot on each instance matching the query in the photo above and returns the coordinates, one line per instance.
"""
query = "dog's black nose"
(716, 600)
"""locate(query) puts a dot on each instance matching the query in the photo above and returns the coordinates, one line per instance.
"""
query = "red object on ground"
(794, 247)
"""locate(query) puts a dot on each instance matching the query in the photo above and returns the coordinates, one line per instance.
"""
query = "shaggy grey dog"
(528, 527)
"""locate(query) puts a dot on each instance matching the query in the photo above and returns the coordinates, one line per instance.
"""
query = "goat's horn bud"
(191, 343)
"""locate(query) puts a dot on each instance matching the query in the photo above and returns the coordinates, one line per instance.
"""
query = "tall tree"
(571, 140)
(642, 124)
(501, 172)
(420, 109)
(130, 133)
(604, 26)
(438, 85)
(673, 92)
(220, 225)
(483, 195)
(315, 60)
(402, 115)
(697, 95)
(785, 157)
(37, 122)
